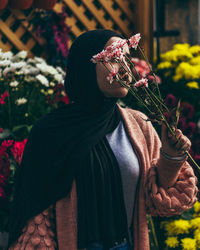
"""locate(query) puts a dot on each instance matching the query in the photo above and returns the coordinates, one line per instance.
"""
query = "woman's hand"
(170, 145)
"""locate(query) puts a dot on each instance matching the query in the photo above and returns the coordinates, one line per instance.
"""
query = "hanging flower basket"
(44, 4)
(20, 4)
(3, 4)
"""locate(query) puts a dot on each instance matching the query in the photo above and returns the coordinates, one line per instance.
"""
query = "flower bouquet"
(144, 89)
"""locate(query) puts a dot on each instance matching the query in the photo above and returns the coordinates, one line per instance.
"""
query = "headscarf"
(70, 143)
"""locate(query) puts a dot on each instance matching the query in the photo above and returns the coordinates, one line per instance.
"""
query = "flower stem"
(146, 59)
(132, 64)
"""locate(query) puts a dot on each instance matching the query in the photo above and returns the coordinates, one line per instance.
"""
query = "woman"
(91, 171)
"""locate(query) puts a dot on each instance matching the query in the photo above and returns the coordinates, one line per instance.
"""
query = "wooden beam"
(144, 25)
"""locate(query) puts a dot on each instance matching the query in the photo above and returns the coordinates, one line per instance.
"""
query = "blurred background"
(35, 37)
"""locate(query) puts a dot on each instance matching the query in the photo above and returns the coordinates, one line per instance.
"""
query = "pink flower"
(18, 149)
(3, 97)
(2, 193)
(116, 45)
(134, 40)
(158, 79)
(112, 75)
(6, 144)
(100, 57)
(1, 130)
(141, 82)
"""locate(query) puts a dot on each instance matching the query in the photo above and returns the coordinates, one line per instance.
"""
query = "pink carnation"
(141, 82)
(134, 40)
(112, 74)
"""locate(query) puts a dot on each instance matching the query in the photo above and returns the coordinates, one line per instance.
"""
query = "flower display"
(180, 70)
(183, 233)
(29, 88)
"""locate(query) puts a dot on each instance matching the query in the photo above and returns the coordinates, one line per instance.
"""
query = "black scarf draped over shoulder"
(70, 143)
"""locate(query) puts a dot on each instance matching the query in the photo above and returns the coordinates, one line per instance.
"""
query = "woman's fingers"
(173, 138)
(179, 141)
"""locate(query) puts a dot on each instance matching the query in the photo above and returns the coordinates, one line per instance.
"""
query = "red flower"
(187, 110)
(1, 130)
(170, 101)
(182, 124)
(65, 99)
(18, 149)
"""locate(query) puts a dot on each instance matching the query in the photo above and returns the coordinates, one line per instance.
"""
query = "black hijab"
(70, 143)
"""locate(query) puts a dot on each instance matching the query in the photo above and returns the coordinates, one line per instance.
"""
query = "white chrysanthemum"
(14, 84)
(58, 78)
(46, 69)
(18, 65)
(8, 70)
(60, 70)
(52, 70)
(7, 55)
(22, 54)
(30, 70)
(43, 67)
(5, 63)
(43, 80)
(21, 101)
(39, 60)
(31, 61)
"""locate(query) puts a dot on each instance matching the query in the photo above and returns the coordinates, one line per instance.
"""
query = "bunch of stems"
(153, 101)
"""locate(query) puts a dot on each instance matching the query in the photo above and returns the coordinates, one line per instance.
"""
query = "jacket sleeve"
(39, 233)
(170, 186)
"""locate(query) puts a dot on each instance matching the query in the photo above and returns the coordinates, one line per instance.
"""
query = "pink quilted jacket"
(166, 188)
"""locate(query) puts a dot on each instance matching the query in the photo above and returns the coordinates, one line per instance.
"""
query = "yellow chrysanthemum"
(193, 85)
(188, 244)
(195, 223)
(181, 46)
(187, 71)
(176, 55)
(197, 207)
(50, 91)
(172, 242)
(170, 56)
(177, 227)
(164, 65)
(195, 60)
(194, 49)
(197, 236)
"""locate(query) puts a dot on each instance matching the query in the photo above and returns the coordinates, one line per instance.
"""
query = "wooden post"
(144, 25)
